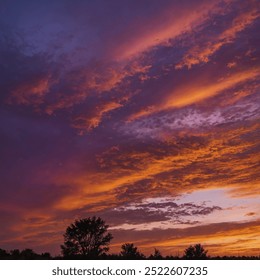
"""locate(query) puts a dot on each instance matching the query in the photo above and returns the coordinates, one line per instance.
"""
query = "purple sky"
(145, 113)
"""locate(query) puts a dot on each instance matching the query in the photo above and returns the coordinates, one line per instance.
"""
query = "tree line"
(88, 239)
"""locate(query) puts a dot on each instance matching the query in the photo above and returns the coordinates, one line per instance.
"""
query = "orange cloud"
(32, 92)
(176, 168)
(197, 91)
(144, 35)
(218, 238)
(87, 123)
(243, 240)
(200, 92)
(202, 53)
(84, 84)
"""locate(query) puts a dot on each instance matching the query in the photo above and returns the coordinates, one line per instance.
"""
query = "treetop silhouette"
(130, 252)
(86, 238)
(196, 252)
(156, 255)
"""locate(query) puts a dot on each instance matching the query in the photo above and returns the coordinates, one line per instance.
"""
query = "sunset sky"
(143, 112)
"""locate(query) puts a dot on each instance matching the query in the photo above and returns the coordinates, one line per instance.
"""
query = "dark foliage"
(86, 239)
(26, 254)
(3, 254)
(196, 252)
(130, 252)
(156, 255)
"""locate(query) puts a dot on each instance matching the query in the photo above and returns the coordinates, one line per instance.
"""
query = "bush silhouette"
(196, 252)
(130, 252)
(15, 254)
(156, 255)
(28, 254)
(86, 238)
(3, 254)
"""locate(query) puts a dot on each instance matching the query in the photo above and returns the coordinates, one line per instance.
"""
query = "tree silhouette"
(130, 252)
(86, 238)
(3, 254)
(46, 256)
(15, 254)
(196, 252)
(28, 254)
(156, 255)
